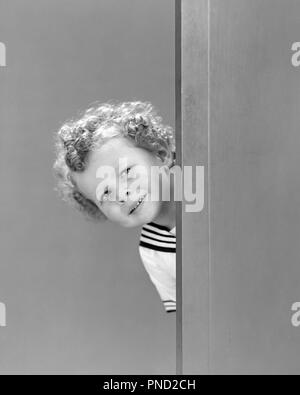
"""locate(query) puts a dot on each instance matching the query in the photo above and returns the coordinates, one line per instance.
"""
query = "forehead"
(112, 150)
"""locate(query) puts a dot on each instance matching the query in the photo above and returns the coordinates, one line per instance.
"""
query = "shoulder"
(157, 238)
(157, 248)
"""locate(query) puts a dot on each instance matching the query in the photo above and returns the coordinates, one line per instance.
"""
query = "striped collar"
(158, 237)
(173, 231)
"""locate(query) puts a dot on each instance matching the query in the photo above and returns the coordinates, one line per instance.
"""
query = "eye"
(126, 171)
(105, 195)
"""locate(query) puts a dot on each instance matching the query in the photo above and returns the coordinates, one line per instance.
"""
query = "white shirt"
(157, 250)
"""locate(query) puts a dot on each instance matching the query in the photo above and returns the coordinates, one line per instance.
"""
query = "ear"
(166, 156)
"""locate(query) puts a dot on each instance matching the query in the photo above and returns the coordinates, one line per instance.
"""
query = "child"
(99, 140)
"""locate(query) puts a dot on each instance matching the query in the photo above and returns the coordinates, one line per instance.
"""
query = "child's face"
(138, 163)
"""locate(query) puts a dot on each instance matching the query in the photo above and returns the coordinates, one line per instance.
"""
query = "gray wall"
(245, 258)
(78, 298)
(255, 186)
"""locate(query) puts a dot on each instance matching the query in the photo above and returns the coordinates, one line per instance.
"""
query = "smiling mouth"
(139, 202)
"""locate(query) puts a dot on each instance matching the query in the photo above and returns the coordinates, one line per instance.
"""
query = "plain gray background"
(78, 298)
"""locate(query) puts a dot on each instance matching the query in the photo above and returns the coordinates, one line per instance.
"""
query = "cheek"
(155, 184)
(142, 175)
(112, 211)
(155, 205)
(139, 184)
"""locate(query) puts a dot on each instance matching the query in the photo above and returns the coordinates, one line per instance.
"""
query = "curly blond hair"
(135, 120)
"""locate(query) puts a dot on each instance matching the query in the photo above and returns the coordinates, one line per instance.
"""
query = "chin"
(151, 212)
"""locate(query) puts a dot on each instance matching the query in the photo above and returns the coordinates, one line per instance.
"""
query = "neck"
(167, 217)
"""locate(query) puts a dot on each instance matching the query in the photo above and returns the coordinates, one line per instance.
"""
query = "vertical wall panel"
(255, 186)
(195, 265)
(242, 123)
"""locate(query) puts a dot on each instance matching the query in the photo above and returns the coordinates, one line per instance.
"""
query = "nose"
(123, 195)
